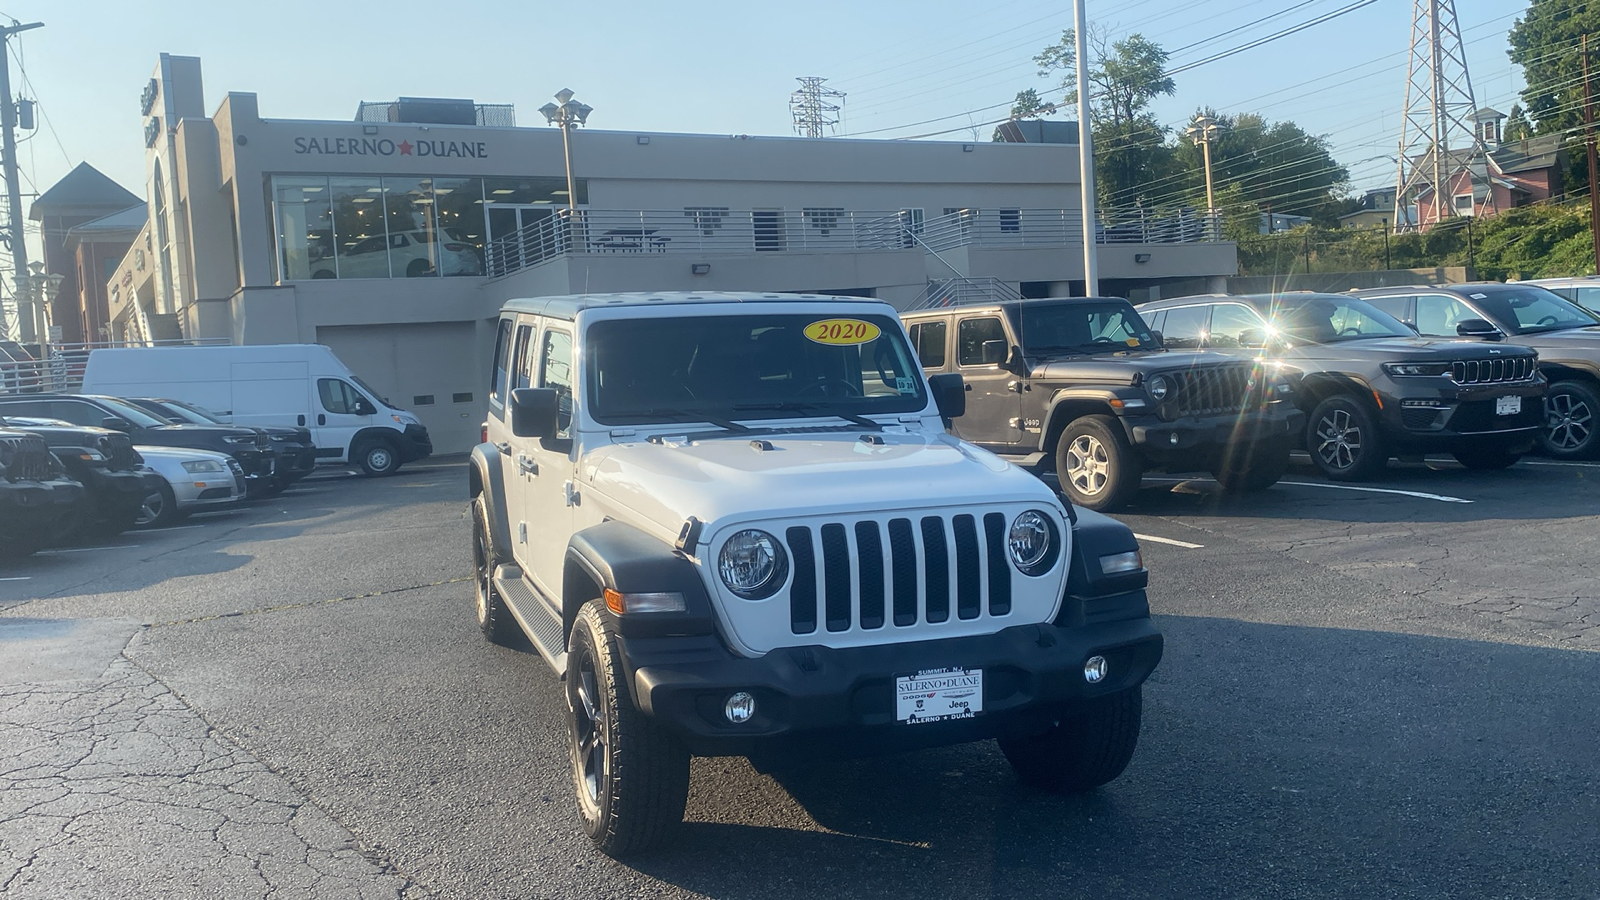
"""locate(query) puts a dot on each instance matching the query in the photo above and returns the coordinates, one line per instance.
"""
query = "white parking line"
(1161, 540)
(168, 528)
(18, 578)
(86, 549)
(1370, 490)
(1551, 462)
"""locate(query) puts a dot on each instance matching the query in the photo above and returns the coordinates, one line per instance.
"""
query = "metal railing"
(1002, 228)
(61, 369)
(697, 230)
(964, 292)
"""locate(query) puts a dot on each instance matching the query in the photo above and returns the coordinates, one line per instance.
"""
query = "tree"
(1273, 164)
(1545, 42)
(1125, 76)
(1517, 125)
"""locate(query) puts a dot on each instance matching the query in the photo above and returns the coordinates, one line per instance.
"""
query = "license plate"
(1507, 406)
(934, 695)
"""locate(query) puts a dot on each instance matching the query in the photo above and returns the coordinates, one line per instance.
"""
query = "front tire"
(1570, 412)
(1249, 467)
(1096, 465)
(1344, 440)
(159, 509)
(632, 777)
(378, 458)
(493, 617)
(1083, 752)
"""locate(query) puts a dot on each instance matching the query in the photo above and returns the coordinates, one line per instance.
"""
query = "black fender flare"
(485, 476)
(1078, 402)
(617, 556)
(365, 435)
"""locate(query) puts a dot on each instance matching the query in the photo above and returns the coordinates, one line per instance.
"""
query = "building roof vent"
(437, 111)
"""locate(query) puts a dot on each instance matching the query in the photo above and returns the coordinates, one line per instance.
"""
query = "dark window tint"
(555, 371)
(21, 408)
(524, 360)
(928, 339)
(338, 397)
(973, 334)
(502, 363)
(1185, 327)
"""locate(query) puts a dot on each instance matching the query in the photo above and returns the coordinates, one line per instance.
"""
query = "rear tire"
(1344, 441)
(378, 458)
(1083, 752)
(1571, 417)
(1096, 465)
(1486, 459)
(1252, 466)
(493, 617)
(632, 777)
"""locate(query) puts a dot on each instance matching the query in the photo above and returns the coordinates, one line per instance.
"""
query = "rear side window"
(501, 377)
(1394, 306)
(1588, 298)
(928, 340)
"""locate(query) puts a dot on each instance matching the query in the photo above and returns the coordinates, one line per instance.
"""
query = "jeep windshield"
(1088, 327)
(750, 366)
(1332, 319)
(1525, 309)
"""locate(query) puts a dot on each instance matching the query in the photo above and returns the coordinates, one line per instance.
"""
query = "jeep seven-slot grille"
(27, 459)
(1493, 371)
(904, 589)
(1211, 391)
(118, 449)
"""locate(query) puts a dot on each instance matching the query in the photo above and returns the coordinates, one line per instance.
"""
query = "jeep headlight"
(1032, 543)
(752, 564)
(1416, 369)
(1157, 387)
(203, 467)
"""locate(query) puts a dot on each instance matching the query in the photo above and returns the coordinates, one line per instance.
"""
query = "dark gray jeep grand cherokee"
(1084, 382)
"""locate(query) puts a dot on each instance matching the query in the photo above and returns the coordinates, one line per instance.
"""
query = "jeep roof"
(569, 307)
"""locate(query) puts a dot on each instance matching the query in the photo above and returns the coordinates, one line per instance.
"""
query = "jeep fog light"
(741, 707)
(1114, 563)
(1094, 669)
(752, 564)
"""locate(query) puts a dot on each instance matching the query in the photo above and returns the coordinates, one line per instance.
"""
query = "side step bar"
(541, 623)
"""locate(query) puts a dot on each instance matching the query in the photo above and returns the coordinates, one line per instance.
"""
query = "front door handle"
(322, 419)
(300, 420)
(526, 464)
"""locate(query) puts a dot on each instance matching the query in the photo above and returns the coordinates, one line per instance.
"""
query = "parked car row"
(1228, 384)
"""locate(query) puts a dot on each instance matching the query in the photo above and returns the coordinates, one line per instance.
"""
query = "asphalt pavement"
(1380, 692)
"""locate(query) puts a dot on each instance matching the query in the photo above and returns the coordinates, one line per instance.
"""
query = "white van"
(271, 384)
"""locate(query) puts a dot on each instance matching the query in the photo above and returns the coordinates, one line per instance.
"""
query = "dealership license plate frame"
(1507, 406)
(938, 695)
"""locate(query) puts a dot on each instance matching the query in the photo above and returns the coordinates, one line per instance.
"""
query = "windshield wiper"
(801, 406)
(680, 414)
(1055, 348)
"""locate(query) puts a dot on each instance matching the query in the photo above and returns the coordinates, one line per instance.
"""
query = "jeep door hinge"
(571, 490)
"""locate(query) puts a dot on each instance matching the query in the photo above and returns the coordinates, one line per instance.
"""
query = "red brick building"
(1512, 174)
(75, 204)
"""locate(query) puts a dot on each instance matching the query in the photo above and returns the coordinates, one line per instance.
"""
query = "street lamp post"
(1091, 262)
(569, 114)
(1201, 132)
(42, 289)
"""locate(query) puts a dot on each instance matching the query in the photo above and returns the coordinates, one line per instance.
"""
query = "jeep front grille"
(914, 587)
(26, 458)
(119, 451)
(1213, 390)
(1493, 371)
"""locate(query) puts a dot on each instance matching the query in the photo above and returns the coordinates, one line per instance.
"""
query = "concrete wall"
(1334, 282)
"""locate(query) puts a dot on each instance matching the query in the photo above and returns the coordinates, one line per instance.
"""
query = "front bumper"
(414, 444)
(841, 701)
(258, 464)
(1452, 416)
(27, 506)
(1198, 441)
(207, 492)
(118, 494)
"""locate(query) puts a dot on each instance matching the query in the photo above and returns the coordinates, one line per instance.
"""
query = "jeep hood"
(725, 479)
(1403, 349)
(1581, 344)
(1119, 368)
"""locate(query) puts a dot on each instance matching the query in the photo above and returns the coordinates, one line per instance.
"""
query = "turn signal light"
(624, 604)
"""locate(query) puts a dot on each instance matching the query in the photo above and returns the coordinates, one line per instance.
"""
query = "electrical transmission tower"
(813, 108)
(1438, 116)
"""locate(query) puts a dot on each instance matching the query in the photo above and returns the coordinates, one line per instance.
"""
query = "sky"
(906, 68)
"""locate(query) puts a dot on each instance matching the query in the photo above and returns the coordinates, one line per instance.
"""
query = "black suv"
(1371, 387)
(252, 449)
(34, 494)
(114, 478)
(297, 455)
(1566, 335)
(1084, 382)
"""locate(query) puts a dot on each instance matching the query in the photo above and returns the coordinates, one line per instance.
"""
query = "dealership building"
(395, 238)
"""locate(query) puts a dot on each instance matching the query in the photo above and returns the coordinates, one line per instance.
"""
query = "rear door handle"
(300, 420)
(322, 419)
(526, 464)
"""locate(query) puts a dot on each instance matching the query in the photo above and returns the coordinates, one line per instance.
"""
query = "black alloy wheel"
(1343, 437)
(493, 617)
(1570, 408)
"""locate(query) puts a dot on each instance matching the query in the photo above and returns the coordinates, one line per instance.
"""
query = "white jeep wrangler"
(735, 525)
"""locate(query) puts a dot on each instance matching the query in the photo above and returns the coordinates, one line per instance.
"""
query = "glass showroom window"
(414, 247)
(304, 216)
(363, 244)
(459, 202)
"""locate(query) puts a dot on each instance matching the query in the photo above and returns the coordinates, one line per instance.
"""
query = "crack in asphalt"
(307, 604)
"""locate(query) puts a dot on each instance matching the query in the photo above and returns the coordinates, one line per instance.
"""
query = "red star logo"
(405, 148)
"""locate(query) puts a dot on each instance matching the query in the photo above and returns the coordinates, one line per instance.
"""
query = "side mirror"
(116, 423)
(994, 353)
(363, 408)
(1479, 328)
(534, 412)
(1252, 338)
(1160, 341)
(949, 395)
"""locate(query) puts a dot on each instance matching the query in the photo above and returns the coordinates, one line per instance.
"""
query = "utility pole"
(1091, 264)
(8, 145)
(1588, 141)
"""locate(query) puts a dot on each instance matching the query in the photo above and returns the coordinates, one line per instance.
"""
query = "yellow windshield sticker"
(1132, 342)
(842, 332)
